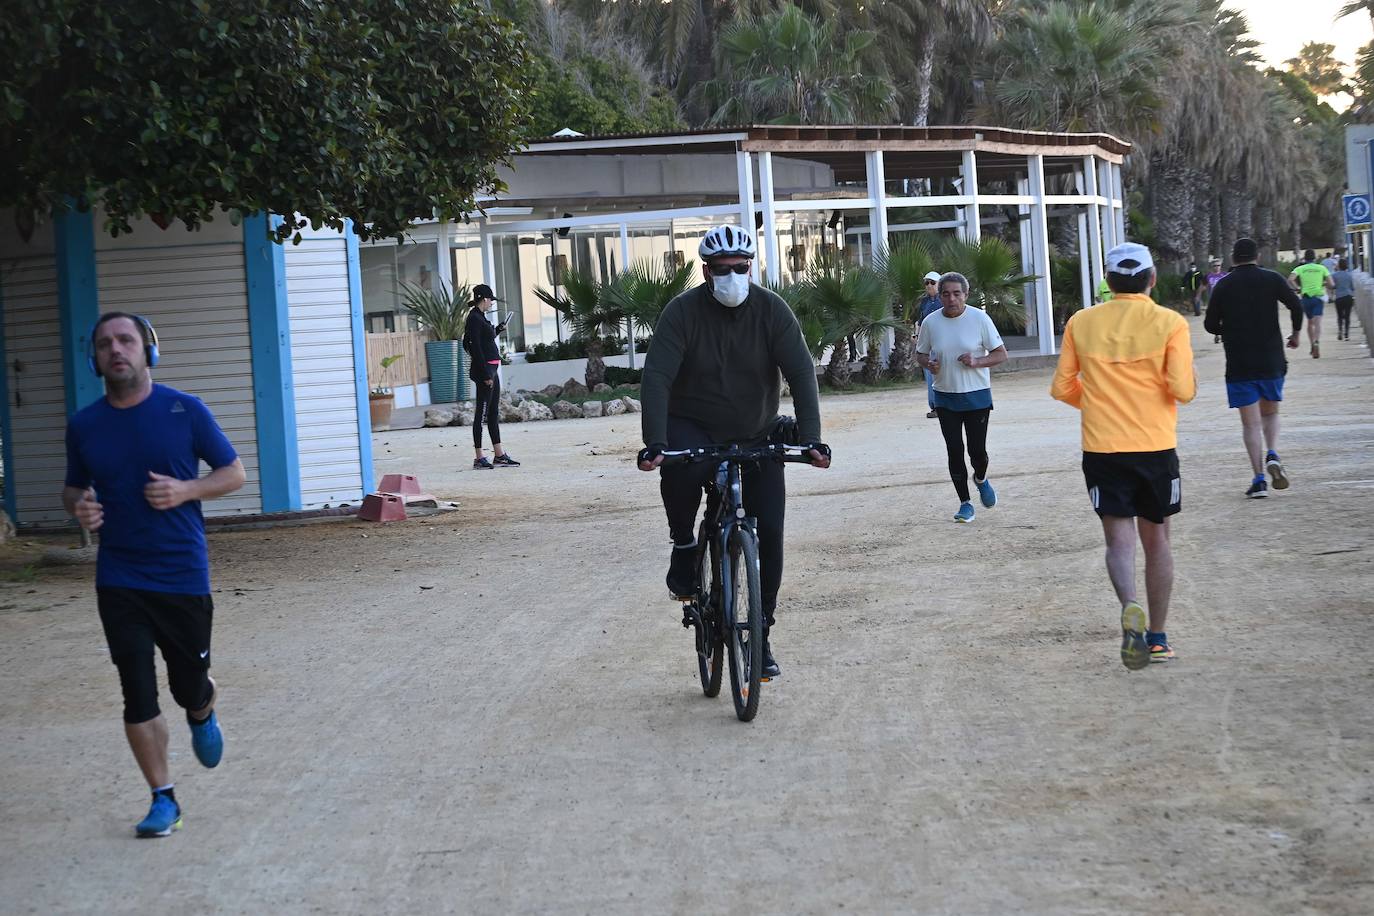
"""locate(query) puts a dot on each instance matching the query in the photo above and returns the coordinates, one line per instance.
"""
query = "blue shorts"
(1313, 306)
(1243, 394)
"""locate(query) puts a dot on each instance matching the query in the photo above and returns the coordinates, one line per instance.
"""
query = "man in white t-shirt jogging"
(958, 345)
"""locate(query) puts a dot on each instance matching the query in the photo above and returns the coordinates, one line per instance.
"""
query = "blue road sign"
(1356, 211)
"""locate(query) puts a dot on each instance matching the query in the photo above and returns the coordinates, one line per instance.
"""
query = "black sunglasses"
(720, 270)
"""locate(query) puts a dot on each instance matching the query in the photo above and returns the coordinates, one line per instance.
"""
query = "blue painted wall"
(273, 396)
(355, 302)
(78, 304)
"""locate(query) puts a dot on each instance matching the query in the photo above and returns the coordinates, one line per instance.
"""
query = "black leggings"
(955, 425)
(1343, 306)
(765, 498)
(488, 406)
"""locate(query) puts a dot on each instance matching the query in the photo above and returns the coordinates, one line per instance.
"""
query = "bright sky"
(1284, 26)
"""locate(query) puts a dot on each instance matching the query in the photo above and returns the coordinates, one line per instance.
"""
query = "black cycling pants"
(957, 426)
(765, 498)
(489, 407)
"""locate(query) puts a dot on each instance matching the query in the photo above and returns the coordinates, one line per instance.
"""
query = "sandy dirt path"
(496, 710)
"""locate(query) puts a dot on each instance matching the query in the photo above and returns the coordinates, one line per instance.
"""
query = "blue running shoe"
(207, 741)
(163, 817)
(965, 513)
(986, 493)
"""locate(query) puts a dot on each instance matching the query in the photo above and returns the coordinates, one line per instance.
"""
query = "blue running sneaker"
(207, 741)
(986, 493)
(163, 817)
(965, 513)
(1135, 654)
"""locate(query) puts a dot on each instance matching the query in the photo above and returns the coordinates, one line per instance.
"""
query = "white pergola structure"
(624, 180)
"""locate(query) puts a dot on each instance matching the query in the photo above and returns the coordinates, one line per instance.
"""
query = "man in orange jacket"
(1126, 365)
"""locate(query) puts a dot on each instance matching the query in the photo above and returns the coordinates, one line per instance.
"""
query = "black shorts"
(1131, 484)
(136, 621)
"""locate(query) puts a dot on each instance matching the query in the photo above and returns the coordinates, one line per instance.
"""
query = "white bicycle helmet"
(726, 240)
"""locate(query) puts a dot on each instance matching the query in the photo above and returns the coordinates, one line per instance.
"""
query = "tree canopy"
(378, 111)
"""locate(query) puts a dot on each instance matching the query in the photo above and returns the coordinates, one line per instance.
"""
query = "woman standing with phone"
(484, 368)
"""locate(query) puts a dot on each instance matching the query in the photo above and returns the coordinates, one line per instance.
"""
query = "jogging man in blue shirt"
(133, 463)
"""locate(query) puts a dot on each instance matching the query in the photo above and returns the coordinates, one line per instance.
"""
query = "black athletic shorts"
(1131, 484)
(136, 621)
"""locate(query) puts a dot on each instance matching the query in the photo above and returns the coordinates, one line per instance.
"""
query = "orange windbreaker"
(1126, 364)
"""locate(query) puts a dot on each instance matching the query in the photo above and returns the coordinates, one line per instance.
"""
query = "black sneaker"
(682, 573)
(770, 664)
(481, 464)
(506, 461)
(1258, 490)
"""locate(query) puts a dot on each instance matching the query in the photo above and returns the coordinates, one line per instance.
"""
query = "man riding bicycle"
(711, 377)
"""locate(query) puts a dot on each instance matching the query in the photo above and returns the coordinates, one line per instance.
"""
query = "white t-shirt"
(949, 338)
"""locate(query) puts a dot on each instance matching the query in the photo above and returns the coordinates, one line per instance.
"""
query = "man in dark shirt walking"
(1242, 310)
(711, 378)
(133, 474)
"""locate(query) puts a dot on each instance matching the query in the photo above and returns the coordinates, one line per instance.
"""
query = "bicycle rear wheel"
(743, 621)
(710, 638)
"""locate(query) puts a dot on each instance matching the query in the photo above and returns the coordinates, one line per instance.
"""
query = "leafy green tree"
(643, 291)
(378, 111)
(848, 302)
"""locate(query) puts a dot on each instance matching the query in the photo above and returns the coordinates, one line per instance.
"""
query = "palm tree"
(642, 292)
(849, 302)
(787, 67)
(904, 269)
(994, 276)
(590, 315)
(442, 313)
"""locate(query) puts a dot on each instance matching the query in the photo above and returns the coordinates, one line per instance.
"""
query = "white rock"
(566, 410)
(631, 405)
(533, 410)
(601, 388)
(591, 409)
(509, 412)
(614, 408)
(438, 416)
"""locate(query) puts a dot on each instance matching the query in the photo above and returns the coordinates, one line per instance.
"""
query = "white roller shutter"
(37, 394)
(197, 298)
(322, 370)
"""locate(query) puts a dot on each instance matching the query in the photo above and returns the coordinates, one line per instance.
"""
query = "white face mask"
(731, 290)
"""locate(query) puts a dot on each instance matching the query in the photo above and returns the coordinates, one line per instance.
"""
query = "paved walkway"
(496, 710)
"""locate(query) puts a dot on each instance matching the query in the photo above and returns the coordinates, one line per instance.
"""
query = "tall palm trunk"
(1171, 194)
(1267, 233)
(901, 363)
(873, 361)
(596, 363)
(837, 373)
(925, 69)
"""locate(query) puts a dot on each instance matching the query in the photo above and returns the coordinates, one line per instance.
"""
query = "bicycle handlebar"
(799, 454)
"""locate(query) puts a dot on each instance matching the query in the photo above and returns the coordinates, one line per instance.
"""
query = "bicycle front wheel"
(743, 621)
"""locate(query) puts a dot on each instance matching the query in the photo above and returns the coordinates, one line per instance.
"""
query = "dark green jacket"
(719, 367)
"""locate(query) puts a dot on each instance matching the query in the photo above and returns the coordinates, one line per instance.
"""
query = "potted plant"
(443, 314)
(381, 400)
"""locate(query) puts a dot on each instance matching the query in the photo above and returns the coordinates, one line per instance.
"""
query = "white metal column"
(877, 202)
(772, 248)
(968, 171)
(1094, 221)
(1040, 252)
(1104, 188)
(1024, 242)
(1085, 273)
(1119, 203)
(744, 170)
(624, 266)
(443, 267)
(488, 255)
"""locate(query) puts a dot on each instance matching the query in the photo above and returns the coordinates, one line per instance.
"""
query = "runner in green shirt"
(1312, 280)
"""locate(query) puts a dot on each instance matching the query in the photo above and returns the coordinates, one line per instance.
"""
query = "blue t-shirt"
(113, 449)
(926, 305)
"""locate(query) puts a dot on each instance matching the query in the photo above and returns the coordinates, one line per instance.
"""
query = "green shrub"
(617, 376)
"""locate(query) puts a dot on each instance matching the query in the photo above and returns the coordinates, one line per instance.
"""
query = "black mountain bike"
(727, 610)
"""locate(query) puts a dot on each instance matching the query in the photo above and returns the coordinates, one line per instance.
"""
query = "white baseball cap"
(933, 275)
(1129, 259)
